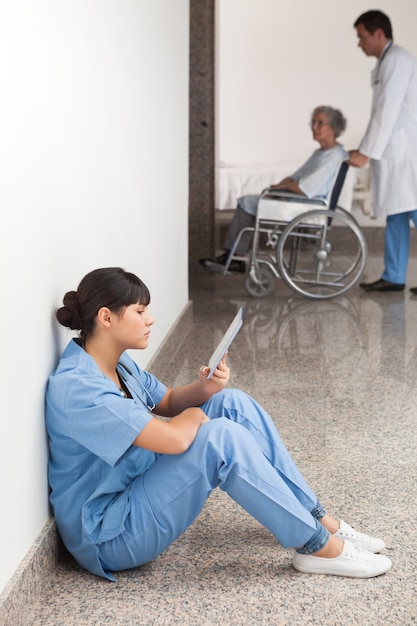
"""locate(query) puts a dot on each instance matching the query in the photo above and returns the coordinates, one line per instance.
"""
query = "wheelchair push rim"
(321, 253)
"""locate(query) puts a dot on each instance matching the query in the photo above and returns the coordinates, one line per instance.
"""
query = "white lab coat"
(390, 140)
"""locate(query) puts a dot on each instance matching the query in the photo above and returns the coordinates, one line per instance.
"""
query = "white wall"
(94, 172)
(277, 60)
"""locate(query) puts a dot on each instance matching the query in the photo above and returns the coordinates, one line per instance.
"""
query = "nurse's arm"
(177, 399)
(174, 436)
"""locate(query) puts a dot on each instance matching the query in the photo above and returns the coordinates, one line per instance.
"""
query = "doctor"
(390, 144)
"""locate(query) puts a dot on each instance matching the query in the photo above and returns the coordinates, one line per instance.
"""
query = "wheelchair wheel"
(259, 283)
(321, 253)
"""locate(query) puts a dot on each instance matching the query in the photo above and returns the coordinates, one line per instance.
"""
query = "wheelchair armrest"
(290, 196)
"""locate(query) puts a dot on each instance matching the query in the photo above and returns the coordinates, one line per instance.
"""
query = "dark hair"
(110, 287)
(372, 20)
(335, 117)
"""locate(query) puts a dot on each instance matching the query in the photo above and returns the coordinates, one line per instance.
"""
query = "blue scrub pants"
(241, 452)
(397, 246)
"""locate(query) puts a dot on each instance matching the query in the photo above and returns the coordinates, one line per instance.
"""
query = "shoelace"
(354, 533)
(358, 553)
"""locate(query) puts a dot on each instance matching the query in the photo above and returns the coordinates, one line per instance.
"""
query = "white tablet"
(225, 342)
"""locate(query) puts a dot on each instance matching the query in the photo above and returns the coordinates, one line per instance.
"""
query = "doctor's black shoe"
(382, 285)
(234, 266)
(413, 290)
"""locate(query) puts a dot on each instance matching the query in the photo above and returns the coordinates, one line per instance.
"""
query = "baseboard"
(375, 238)
(30, 578)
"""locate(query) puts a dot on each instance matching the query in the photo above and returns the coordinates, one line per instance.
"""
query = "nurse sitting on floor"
(125, 483)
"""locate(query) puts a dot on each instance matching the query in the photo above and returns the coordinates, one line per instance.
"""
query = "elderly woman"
(313, 179)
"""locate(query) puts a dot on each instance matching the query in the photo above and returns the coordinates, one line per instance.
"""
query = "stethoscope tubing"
(149, 405)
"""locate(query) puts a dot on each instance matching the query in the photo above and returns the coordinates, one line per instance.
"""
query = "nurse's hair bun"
(69, 315)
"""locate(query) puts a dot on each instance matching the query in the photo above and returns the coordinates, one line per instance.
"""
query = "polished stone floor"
(339, 379)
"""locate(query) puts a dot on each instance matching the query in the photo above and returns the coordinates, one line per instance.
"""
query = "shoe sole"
(220, 269)
(381, 290)
(332, 571)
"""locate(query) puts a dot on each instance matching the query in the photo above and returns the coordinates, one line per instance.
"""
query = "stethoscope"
(149, 403)
(376, 79)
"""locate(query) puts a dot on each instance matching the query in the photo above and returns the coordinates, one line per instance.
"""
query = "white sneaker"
(372, 544)
(354, 562)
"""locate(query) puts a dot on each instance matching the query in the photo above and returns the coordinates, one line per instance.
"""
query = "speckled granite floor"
(339, 378)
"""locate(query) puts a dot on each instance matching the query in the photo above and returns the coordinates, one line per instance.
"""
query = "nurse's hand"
(218, 380)
(357, 159)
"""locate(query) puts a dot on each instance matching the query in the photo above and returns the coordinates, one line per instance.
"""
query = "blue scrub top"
(92, 461)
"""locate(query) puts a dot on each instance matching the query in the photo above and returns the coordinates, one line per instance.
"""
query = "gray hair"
(336, 119)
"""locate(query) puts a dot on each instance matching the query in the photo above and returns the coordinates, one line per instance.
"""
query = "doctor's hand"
(218, 380)
(357, 159)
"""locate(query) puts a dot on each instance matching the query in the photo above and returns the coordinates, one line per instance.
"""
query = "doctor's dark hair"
(336, 119)
(110, 287)
(372, 20)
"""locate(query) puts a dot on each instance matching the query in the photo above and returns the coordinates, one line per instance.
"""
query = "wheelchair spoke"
(321, 254)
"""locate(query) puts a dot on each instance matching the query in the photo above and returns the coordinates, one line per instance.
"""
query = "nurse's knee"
(229, 398)
(220, 433)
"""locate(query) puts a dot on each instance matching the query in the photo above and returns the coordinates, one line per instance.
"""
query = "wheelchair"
(315, 246)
